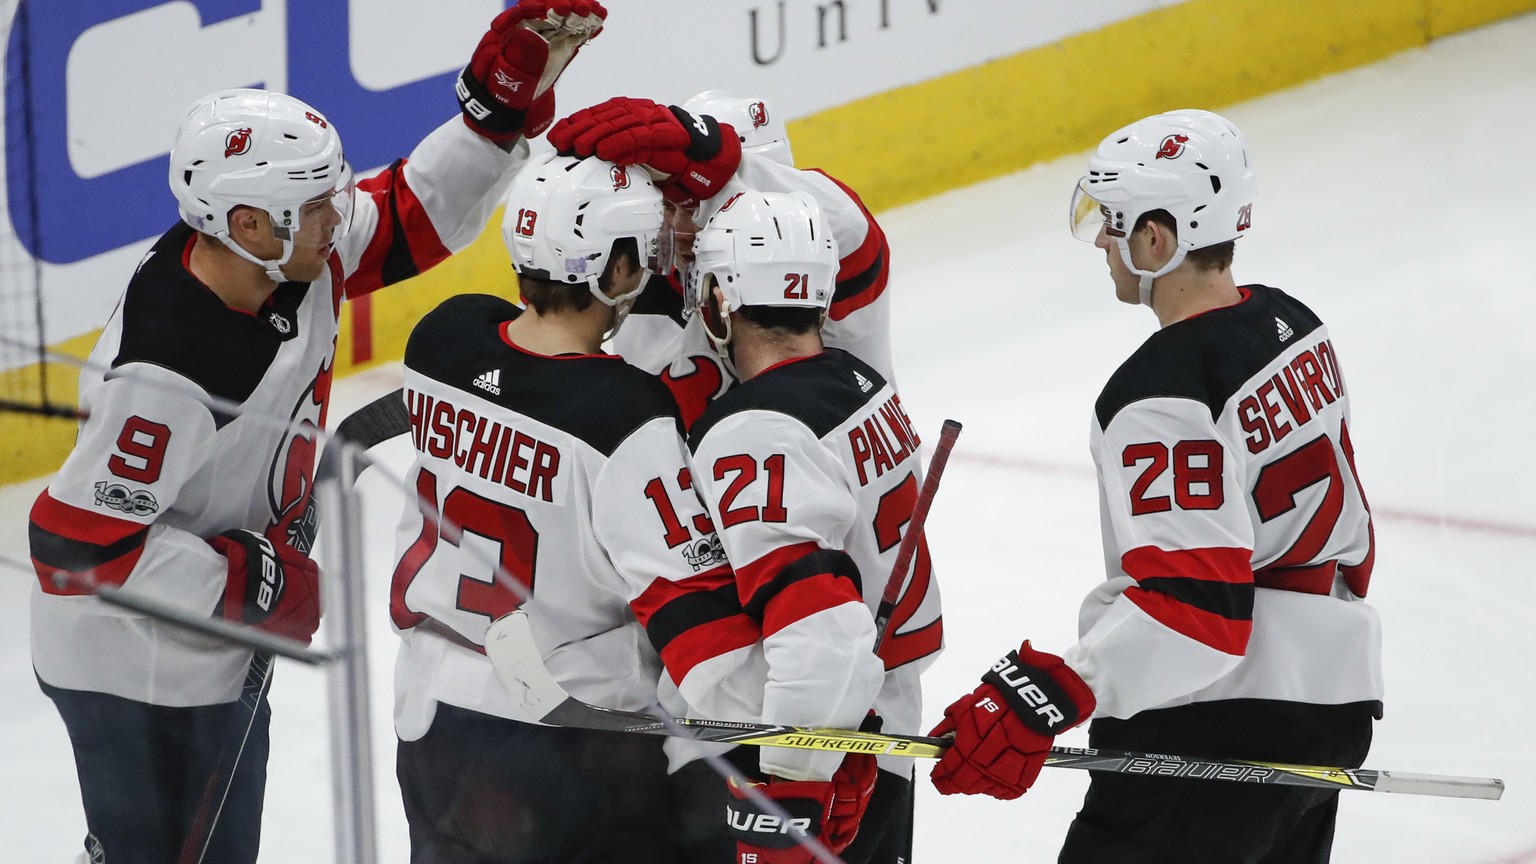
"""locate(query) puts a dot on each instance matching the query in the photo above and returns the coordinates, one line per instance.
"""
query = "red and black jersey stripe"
(405, 243)
(68, 538)
(863, 272)
(1205, 594)
(694, 619)
(795, 582)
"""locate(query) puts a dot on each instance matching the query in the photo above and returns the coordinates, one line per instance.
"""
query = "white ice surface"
(1395, 200)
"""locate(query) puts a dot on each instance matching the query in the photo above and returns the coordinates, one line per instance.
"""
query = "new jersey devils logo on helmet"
(759, 114)
(620, 177)
(1172, 147)
(237, 142)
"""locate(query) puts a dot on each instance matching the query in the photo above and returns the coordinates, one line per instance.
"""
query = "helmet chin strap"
(273, 268)
(620, 304)
(1144, 283)
(722, 344)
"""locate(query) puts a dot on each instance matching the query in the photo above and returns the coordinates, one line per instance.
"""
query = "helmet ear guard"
(1190, 163)
(259, 149)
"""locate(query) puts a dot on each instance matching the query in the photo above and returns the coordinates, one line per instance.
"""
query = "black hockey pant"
(1160, 820)
(485, 790)
(146, 771)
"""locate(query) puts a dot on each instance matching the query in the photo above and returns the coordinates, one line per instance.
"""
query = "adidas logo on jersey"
(490, 382)
(1284, 330)
(865, 385)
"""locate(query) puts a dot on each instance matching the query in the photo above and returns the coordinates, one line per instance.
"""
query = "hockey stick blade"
(360, 431)
(510, 646)
(365, 428)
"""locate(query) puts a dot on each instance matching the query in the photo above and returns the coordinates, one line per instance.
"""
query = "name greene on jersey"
(485, 447)
(883, 444)
(1311, 377)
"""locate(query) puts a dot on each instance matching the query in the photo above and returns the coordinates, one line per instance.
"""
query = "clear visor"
(674, 249)
(1088, 216)
(322, 220)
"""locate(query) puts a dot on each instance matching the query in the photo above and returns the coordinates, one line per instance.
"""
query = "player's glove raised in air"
(506, 92)
(690, 156)
(829, 811)
(1004, 729)
(269, 586)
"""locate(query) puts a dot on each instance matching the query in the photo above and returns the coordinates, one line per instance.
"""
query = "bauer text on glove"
(269, 586)
(1003, 730)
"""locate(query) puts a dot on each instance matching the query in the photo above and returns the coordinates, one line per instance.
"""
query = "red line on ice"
(1525, 857)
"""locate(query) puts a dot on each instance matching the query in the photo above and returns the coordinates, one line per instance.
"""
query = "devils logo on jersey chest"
(290, 478)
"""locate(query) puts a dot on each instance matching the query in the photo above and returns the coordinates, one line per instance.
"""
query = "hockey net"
(24, 383)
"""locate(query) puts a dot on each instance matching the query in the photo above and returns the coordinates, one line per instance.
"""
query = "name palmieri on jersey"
(883, 440)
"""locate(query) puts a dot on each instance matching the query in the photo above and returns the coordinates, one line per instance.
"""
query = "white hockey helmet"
(762, 249)
(1191, 163)
(756, 122)
(258, 149)
(564, 214)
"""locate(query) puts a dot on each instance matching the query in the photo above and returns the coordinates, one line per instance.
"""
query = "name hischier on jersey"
(483, 447)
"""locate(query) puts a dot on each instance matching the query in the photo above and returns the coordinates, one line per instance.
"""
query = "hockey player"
(809, 469)
(190, 479)
(740, 143)
(1236, 531)
(557, 470)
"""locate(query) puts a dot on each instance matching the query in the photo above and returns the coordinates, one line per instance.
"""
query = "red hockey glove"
(697, 155)
(506, 91)
(1004, 729)
(270, 587)
(828, 810)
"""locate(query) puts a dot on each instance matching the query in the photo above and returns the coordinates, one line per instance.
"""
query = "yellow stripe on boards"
(917, 141)
(1446, 17)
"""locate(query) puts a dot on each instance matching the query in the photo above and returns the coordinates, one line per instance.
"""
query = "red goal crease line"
(1391, 514)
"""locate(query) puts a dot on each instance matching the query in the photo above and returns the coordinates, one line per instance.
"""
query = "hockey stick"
(381, 419)
(914, 532)
(217, 628)
(516, 659)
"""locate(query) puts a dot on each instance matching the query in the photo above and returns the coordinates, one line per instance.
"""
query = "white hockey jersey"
(566, 474)
(661, 339)
(810, 472)
(1237, 537)
(156, 470)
